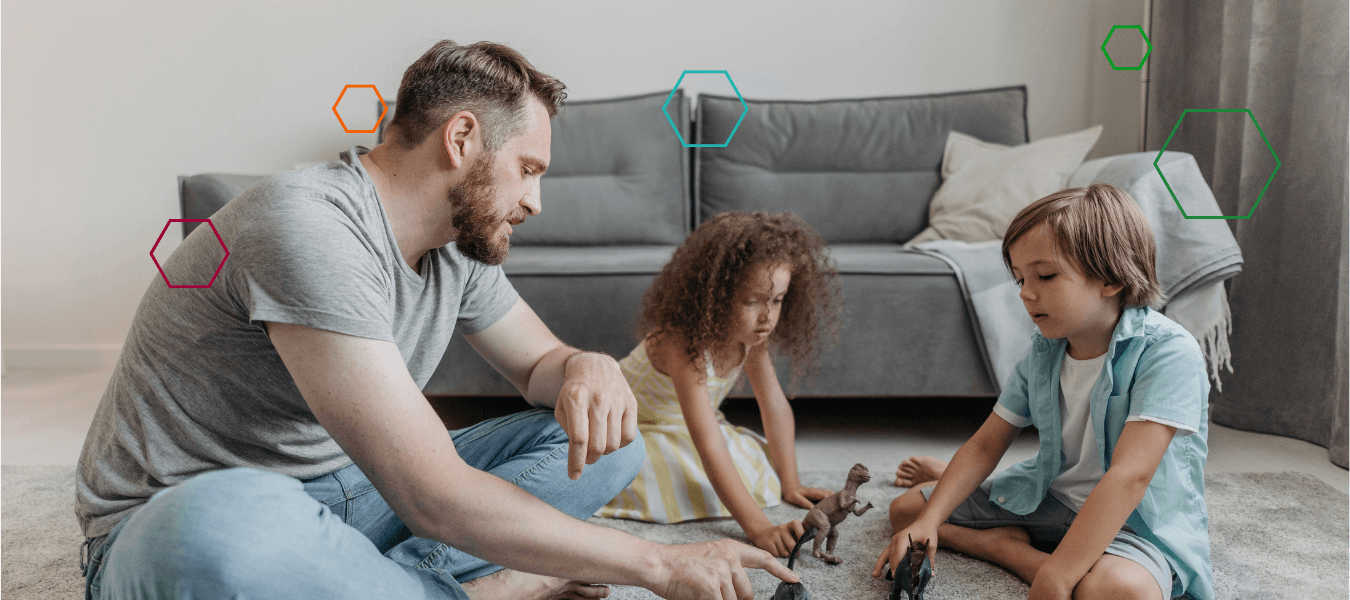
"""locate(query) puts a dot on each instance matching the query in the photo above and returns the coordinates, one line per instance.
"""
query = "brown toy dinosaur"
(830, 512)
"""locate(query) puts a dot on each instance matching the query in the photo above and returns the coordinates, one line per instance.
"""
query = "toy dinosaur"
(795, 591)
(830, 512)
(913, 579)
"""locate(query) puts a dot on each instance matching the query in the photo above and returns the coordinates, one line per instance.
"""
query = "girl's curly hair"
(695, 292)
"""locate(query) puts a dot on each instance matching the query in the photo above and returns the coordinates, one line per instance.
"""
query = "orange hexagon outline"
(384, 106)
(220, 266)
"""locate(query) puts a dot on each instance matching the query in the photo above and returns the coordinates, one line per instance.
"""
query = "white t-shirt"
(1082, 463)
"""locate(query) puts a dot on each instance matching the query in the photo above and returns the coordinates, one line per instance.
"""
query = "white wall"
(106, 103)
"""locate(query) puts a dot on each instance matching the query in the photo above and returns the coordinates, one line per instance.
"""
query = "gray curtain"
(1286, 61)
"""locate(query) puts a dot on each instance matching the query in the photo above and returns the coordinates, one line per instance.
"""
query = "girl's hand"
(897, 550)
(778, 540)
(805, 497)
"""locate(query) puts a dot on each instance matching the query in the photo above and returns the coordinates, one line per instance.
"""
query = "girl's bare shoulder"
(668, 352)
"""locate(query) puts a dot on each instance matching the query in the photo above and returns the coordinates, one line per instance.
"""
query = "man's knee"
(1117, 577)
(620, 467)
(213, 534)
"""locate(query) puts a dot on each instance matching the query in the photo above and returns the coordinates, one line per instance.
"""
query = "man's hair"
(489, 80)
(1102, 229)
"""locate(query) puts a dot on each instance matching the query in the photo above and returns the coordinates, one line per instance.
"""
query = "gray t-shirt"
(199, 386)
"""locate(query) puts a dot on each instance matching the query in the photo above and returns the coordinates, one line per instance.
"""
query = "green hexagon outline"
(744, 110)
(1263, 138)
(1141, 34)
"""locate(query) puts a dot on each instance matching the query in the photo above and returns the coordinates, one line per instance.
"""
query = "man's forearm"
(547, 376)
(505, 525)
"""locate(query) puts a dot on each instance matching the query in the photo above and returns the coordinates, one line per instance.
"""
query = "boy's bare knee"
(906, 508)
(1116, 577)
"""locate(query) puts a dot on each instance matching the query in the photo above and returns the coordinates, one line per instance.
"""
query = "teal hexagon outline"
(1263, 138)
(1147, 44)
(744, 110)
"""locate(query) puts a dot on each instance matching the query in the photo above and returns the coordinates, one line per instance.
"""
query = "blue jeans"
(246, 533)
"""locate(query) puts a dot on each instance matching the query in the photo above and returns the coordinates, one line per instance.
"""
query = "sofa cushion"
(858, 170)
(985, 185)
(873, 259)
(594, 260)
(618, 175)
(885, 259)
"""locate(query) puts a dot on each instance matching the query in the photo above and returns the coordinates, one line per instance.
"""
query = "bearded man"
(266, 437)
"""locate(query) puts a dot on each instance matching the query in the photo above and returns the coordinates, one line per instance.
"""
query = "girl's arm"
(1135, 460)
(779, 428)
(969, 467)
(692, 389)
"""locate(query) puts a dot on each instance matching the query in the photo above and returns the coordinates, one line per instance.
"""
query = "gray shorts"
(1048, 524)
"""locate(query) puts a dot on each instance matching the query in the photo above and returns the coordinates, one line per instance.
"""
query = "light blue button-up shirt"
(1154, 369)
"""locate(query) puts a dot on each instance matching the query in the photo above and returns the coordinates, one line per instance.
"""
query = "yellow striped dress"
(672, 485)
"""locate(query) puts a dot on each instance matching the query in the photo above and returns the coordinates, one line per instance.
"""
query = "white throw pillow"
(985, 185)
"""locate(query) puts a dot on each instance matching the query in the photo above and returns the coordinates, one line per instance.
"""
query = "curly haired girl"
(743, 287)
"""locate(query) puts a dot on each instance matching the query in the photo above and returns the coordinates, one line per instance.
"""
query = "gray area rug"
(1274, 535)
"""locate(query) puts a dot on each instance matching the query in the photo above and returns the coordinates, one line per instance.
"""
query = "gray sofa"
(622, 193)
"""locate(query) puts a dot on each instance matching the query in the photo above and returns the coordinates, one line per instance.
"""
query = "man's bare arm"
(362, 394)
(589, 395)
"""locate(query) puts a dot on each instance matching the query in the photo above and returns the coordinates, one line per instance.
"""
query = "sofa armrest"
(200, 196)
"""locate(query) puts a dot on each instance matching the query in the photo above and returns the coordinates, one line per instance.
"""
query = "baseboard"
(61, 356)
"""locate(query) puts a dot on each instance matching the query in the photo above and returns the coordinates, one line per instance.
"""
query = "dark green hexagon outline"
(744, 110)
(1147, 52)
(1263, 138)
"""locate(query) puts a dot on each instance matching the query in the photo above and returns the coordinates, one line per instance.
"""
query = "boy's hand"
(778, 540)
(1050, 585)
(805, 497)
(898, 549)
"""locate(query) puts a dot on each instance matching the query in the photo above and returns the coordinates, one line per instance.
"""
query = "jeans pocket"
(93, 571)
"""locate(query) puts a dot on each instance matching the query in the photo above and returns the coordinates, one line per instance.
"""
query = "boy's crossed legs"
(1131, 568)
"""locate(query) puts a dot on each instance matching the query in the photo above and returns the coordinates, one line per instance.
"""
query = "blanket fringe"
(1215, 346)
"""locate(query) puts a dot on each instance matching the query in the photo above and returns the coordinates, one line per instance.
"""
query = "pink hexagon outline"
(218, 239)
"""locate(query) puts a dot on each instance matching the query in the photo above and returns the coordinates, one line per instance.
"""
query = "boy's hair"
(490, 80)
(694, 293)
(1103, 231)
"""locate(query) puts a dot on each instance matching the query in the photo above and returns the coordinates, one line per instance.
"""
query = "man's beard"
(474, 218)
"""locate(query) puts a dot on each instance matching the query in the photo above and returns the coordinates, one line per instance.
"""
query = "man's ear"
(460, 136)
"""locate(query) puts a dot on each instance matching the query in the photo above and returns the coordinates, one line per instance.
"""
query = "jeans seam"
(538, 465)
(361, 492)
(425, 562)
(503, 423)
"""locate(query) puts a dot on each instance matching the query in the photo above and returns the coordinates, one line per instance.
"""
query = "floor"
(44, 416)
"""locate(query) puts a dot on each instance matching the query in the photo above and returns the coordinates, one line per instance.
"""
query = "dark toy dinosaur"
(795, 591)
(913, 579)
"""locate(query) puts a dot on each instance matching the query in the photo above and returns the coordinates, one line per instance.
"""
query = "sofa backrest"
(618, 175)
(858, 170)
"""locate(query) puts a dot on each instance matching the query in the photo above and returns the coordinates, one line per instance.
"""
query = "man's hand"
(805, 497)
(596, 408)
(897, 550)
(713, 570)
